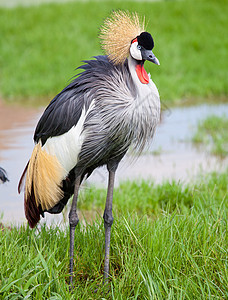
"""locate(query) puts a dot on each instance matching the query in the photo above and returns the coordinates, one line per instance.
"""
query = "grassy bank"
(213, 135)
(169, 241)
(41, 46)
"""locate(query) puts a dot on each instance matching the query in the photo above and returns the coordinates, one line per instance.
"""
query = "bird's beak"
(149, 55)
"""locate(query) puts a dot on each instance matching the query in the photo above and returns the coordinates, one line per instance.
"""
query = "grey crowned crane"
(110, 105)
(3, 176)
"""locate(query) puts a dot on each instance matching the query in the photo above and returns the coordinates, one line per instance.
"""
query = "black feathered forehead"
(145, 39)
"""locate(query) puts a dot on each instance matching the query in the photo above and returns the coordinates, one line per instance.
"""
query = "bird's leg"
(73, 221)
(108, 219)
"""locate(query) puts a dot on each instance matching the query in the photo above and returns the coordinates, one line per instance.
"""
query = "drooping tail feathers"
(43, 178)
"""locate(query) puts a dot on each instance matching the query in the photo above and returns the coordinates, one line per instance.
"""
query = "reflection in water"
(177, 158)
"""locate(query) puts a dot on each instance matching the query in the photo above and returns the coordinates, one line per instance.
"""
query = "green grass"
(169, 241)
(41, 46)
(213, 133)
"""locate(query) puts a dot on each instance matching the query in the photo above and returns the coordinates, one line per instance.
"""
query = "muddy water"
(176, 157)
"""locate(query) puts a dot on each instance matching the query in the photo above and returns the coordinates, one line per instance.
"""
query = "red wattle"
(142, 74)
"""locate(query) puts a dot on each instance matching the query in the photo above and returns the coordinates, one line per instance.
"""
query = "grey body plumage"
(121, 114)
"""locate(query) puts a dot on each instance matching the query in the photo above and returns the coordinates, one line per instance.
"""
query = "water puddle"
(176, 158)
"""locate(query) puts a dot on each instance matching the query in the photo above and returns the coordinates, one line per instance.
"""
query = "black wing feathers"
(61, 114)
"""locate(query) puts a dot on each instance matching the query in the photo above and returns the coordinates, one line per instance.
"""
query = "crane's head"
(141, 48)
(123, 34)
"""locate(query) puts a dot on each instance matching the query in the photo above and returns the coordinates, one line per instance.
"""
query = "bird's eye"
(139, 47)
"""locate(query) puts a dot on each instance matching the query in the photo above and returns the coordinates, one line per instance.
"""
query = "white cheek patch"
(135, 52)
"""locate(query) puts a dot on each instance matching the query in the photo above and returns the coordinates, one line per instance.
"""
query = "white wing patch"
(67, 146)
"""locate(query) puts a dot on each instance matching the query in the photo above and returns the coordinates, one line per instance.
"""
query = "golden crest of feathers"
(117, 33)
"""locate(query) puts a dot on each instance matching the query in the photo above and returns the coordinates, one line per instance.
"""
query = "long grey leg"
(73, 221)
(108, 219)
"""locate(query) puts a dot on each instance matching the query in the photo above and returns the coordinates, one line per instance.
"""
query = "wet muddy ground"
(170, 156)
